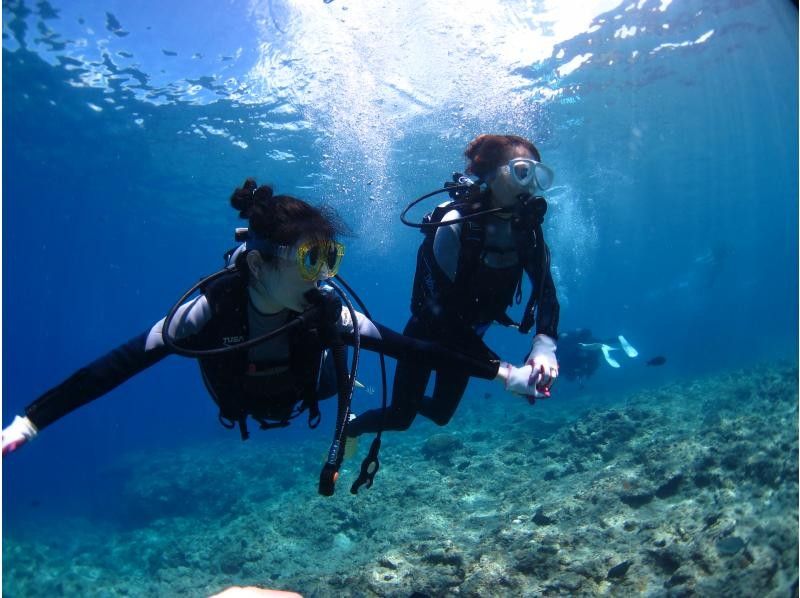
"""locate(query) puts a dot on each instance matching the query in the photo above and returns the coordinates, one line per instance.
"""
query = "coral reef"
(689, 489)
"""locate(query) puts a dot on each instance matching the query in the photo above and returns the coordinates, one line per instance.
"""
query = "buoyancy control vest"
(480, 294)
(241, 388)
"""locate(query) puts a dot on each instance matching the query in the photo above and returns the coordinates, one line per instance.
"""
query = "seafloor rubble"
(690, 489)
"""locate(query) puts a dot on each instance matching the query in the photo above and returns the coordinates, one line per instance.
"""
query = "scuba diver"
(579, 353)
(469, 271)
(268, 332)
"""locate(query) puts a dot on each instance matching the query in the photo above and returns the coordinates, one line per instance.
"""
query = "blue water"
(672, 129)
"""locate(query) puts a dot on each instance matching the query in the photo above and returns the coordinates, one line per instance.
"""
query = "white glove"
(18, 433)
(542, 359)
(517, 380)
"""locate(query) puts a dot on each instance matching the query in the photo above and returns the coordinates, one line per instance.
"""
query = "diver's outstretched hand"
(18, 433)
(542, 359)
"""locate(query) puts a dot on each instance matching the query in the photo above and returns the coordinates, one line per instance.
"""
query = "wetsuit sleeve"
(379, 339)
(189, 320)
(116, 366)
(548, 311)
(447, 245)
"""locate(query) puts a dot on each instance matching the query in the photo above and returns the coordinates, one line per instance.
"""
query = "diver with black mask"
(269, 333)
(470, 267)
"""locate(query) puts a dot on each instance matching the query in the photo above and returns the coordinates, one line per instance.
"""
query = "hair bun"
(262, 194)
(242, 198)
(250, 184)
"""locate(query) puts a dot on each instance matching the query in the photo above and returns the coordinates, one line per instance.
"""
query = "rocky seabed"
(689, 489)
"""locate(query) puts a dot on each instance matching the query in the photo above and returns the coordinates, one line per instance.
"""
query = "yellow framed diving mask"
(317, 261)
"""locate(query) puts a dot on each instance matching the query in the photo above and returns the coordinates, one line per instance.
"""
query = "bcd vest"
(243, 389)
(479, 294)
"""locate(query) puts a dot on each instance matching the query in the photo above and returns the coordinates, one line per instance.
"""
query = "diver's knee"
(401, 421)
(401, 425)
(442, 419)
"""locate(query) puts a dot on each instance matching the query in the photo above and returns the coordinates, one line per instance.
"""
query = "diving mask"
(316, 260)
(529, 174)
(319, 260)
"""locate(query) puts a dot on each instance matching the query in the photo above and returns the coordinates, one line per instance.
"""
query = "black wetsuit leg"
(411, 379)
(447, 392)
(408, 389)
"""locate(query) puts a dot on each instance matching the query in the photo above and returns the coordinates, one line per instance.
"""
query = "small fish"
(659, 360)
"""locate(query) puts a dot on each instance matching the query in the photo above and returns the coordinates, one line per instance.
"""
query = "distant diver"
(477, 248)
(656, 361)
(579, 353)
(270, 335)
(709, 267)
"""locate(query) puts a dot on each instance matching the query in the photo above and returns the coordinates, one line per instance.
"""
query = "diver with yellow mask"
(269, 332)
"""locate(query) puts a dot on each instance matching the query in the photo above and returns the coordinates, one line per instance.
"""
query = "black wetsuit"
(456, 307)
(273, 376)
